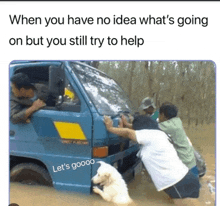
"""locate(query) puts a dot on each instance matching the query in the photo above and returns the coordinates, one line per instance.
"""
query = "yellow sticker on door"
(69, 130)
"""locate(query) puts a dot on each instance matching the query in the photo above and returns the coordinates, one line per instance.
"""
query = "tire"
(29, 173)
(202, 172)
(201, 175)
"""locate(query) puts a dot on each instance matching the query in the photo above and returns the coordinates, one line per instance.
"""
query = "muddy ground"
(141, 190)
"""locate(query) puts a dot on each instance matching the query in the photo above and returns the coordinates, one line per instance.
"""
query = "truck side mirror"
(56, 80)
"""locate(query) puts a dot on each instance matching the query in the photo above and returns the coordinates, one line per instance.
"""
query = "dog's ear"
(101, 162)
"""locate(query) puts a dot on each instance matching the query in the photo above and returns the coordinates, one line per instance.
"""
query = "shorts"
(195, 171)
(187, 187)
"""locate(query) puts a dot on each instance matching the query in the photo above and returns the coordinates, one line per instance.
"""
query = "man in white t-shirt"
(160, 159)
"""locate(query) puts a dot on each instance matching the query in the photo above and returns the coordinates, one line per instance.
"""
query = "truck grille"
(115, 148)
(128, 162)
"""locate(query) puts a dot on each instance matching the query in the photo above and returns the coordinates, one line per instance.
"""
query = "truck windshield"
(105, 93)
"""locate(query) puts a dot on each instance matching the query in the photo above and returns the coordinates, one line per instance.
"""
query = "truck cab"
(63, 142)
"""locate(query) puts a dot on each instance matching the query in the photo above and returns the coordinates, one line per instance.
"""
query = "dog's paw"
(96, 190)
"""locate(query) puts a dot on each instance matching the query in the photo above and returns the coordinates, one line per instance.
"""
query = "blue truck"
(63, 142)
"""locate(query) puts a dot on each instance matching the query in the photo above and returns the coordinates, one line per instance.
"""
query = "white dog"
(114, 187)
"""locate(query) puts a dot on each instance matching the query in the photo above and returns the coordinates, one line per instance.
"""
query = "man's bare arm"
(124, 132)
(38, 104)
(126, 123)
(19, 115)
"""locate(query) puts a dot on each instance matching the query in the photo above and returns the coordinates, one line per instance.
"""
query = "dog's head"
(105, 174)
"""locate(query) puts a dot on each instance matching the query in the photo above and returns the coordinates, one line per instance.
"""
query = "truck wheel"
(29, 173)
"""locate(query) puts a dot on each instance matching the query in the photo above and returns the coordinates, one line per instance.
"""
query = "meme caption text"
(84, 39)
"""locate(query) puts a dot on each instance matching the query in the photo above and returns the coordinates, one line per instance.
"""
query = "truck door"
(60, 137)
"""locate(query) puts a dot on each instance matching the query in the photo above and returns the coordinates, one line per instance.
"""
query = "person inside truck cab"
(24, 99)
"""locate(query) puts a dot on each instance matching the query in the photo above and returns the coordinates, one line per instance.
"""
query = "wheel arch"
(17, 160)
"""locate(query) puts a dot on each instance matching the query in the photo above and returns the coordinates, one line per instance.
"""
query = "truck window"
(104, 92)
(39, 75)
(70, 95)
(71, 101)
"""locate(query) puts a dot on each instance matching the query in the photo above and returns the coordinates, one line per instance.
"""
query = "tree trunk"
(95, 64)
(150, 78)
(130, 78)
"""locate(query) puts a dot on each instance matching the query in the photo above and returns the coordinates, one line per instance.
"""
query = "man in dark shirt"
(24, 99)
